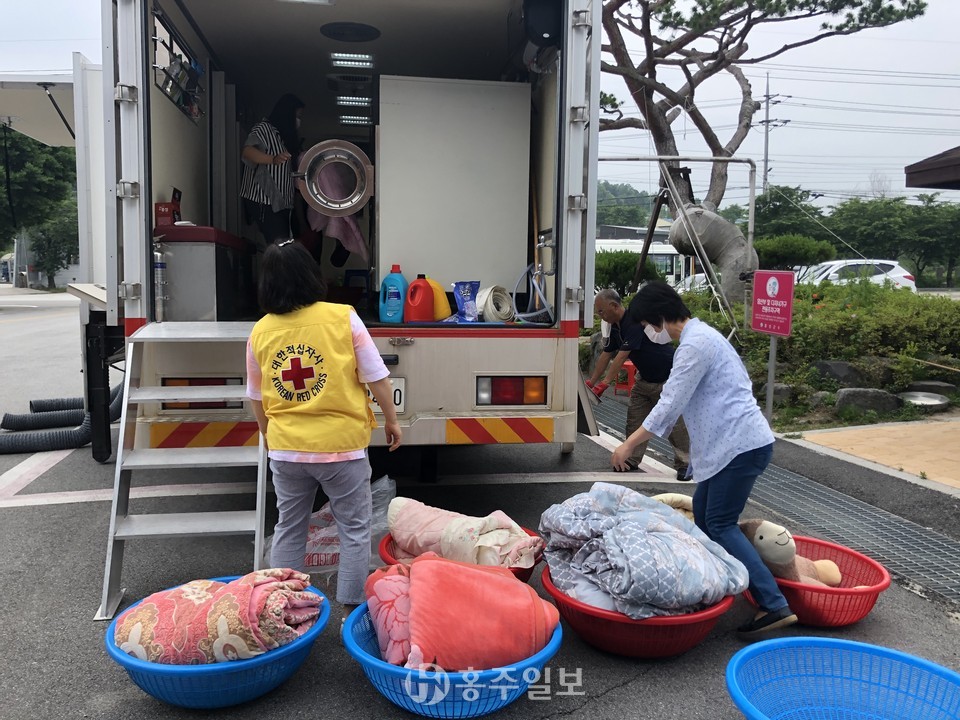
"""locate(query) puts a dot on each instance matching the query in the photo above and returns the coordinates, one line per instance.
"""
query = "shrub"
(615, 269)
(782, 252)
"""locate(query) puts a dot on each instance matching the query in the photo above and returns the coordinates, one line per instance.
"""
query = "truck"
(468, 133)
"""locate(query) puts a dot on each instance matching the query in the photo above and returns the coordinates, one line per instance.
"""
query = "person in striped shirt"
(267, 189)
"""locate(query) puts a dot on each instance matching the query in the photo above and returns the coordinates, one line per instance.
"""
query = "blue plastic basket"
(442, 694)
(219, 684)
(809, 678)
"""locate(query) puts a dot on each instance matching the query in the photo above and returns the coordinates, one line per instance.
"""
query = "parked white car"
(841, 272)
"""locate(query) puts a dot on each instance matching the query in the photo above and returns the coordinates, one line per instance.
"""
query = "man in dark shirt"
(653, 363)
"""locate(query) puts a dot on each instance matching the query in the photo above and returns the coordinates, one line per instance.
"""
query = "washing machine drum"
(335, 177)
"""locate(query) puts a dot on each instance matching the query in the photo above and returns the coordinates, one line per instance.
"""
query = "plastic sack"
(465, 293)
(322, 553)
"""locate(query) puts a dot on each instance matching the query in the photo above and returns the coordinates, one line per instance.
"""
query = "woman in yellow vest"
(307, 363)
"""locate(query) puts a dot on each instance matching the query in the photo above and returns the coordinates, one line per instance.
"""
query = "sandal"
(769, 621)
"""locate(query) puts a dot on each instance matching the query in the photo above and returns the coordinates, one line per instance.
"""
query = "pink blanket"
(334, 180)
(205, 621)
(456, 616)
(493, 540)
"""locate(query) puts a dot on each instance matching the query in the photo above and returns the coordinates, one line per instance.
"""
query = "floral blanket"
(617, 549)
(205, 621)
(493, 540)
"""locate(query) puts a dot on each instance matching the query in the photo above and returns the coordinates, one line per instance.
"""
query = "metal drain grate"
(909, 551)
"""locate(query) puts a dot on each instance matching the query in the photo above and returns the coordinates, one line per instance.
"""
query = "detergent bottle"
(441, 306)
(393, 290)
(419, 304)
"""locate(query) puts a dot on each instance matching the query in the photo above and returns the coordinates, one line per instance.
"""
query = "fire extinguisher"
(159, 281)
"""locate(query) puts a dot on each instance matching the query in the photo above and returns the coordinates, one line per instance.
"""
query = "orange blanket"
(460, 616)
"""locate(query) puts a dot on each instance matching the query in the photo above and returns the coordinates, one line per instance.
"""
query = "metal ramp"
(138, 391)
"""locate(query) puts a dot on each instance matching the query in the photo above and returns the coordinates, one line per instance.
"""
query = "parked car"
(693, 283)
(841, 272)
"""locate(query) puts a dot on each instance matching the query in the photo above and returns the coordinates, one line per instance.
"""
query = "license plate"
(398, 396)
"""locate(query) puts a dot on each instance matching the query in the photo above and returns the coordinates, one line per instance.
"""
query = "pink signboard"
(772, 302)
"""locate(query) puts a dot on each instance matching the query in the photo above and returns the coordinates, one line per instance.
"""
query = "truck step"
(186, 524)
(196, 393)
(169, 458)
(205, 332)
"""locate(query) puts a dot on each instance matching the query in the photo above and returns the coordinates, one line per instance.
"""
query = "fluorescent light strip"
(354, 120)
(351, 60)
(351, 56)
(367, 64)
(352, 101)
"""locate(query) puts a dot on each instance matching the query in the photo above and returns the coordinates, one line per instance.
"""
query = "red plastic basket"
(387, 550)
(863, 579)
(655, 637)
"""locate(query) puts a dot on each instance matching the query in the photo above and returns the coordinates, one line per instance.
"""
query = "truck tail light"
(512, 390)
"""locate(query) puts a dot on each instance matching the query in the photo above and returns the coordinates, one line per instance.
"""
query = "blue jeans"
(717, 504)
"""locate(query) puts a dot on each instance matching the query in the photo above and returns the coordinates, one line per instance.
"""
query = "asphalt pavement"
(54, 515)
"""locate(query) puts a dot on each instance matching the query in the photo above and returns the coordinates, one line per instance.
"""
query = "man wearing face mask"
(652, 355)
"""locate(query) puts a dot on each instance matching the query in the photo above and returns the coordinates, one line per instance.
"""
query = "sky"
(859, 107)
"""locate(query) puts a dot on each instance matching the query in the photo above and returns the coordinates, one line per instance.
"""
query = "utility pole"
(767, 122)
(766, 133)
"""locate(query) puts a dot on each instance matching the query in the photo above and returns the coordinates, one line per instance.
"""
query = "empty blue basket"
(218, 684)
(810, 678)
(442, 694)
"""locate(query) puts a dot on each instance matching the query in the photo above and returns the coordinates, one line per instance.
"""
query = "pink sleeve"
(370, 367)
(254, 377)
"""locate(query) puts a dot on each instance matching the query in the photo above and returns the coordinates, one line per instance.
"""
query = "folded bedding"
(207, 621)
(617, 549)
(493, 540)
(443, 614)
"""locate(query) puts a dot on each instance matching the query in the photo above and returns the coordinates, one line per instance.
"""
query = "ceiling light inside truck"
(351, 60)
(351, 101)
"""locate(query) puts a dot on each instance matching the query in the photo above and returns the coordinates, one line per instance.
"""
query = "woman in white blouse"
(730, 441)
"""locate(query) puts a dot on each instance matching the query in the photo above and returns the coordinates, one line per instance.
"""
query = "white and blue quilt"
(617, 549)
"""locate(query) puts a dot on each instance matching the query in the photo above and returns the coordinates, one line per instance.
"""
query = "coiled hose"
(58, 412)
(55, 404)
(38, 441)
(41, 420)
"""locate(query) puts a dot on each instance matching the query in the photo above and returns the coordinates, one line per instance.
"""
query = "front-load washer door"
(335, 177)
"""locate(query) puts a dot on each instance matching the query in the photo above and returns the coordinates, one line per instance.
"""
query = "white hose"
(495, 304)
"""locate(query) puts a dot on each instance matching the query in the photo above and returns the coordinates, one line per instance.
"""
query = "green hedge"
(853, 322)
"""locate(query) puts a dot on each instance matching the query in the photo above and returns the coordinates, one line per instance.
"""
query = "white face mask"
(660, 337)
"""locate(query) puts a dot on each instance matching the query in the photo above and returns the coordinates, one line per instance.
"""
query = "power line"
(856, 71)
(912, 112)
(858, 102)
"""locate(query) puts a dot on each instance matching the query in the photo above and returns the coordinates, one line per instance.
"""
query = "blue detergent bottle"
(393, 292)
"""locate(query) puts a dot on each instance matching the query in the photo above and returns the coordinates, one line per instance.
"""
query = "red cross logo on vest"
(297, 374)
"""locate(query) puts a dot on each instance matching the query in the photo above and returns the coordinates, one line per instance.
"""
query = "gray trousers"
(643, 396)
(347, 485)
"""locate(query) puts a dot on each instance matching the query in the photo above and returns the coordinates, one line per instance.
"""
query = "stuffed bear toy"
(683, 504)
(778, 551)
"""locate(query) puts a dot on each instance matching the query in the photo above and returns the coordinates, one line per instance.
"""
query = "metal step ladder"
(131, 457)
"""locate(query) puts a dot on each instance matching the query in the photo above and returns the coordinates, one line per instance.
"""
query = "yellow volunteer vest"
(311, 392)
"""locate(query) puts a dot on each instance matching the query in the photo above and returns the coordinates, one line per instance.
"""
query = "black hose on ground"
(41, 420)
(54, 404)
(39, 441)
